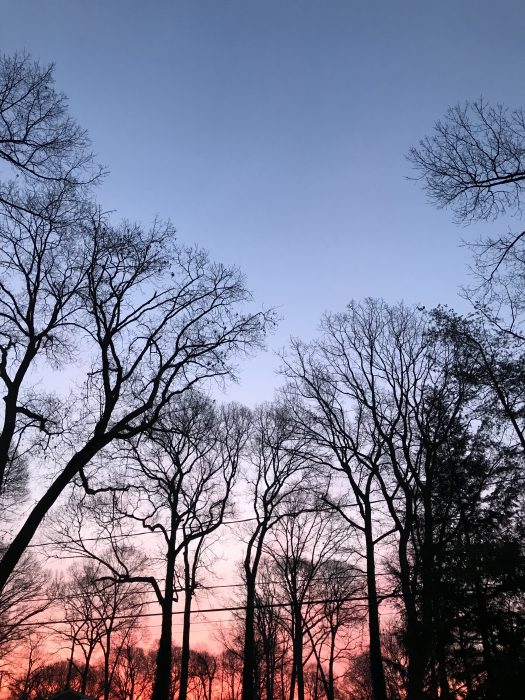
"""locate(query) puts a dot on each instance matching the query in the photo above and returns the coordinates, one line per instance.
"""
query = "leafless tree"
(135, 673)
(389, 397)
(83, 629)
(276, 469)
(344, 441)
(204, 667)
(24, 682)
(474, 160)
(230, 675)
(301, 545)
(41, 145)
(178, 480)
(26, 596)
(194, 461)
(272, 637)
(154, 319)
(333, 623)
(498, 291)
(43, 268)
(101, 616)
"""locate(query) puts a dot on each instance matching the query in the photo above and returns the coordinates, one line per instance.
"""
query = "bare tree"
(391, 397)
(474, 160)
(343, 441)
(83, 629)
(40, 143)
(24, 682)
(24, 597)
(43, 268)
(135, 673)
(230, 675)
(101, 615)
(302, 544)
(203, 671)
(177, 484)
(495, 363)
(272, 637)
(195, 458)
(335, 618)
(277, 467)
(155, 319)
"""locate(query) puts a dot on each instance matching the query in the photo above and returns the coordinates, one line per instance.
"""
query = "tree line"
(377, 502)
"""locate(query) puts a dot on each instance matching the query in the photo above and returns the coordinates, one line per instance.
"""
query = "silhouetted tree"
(155, 320)
(335, 620)
(474, 160)
(385, 395)
(302, 544)
(134, 673)
(478, 505)
(26, 595)
(203, 672)
(276, 469)
(272, 638)
(41, 144)
(231, 665)
(100, 616)
(323, 385)
(177, 483)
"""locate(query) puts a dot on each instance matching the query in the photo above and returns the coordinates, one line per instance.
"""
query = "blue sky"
(273, 133)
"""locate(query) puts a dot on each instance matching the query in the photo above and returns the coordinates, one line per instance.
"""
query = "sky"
(273, 133)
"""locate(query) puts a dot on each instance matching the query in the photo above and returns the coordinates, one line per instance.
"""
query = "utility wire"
(233, 608)
(202, 587)
(58, 543)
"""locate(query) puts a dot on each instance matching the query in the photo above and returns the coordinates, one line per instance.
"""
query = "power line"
(233, 608)
(202, 587)
(239, 521)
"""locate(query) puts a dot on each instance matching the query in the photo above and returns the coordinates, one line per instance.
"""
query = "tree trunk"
(330, 690)
(85, 672)
(377, 672)
(414, 643)
(162, 682)
(107, 654)
(10, 410)
(298, 650)
(185, 648)
(70, 664)
(250, 655)
(26, 533)
(491, 692)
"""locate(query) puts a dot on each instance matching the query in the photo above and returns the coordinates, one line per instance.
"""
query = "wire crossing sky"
(274, 134)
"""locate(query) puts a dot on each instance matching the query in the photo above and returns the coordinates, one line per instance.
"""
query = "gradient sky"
(273, 133)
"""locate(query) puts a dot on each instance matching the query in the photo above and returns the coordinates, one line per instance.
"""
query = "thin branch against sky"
(274, 134)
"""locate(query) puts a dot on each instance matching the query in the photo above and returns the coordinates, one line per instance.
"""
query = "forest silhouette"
(373, 510)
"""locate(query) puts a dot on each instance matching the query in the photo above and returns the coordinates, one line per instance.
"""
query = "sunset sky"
(274, 133)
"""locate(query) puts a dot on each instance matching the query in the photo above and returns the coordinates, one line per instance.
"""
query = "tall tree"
(343, 441)
(276, 470)
(302, 544)
(385, 396)
(101, 616)
(155, 320)
(335, 619)
(177, 484)
(25, 597)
